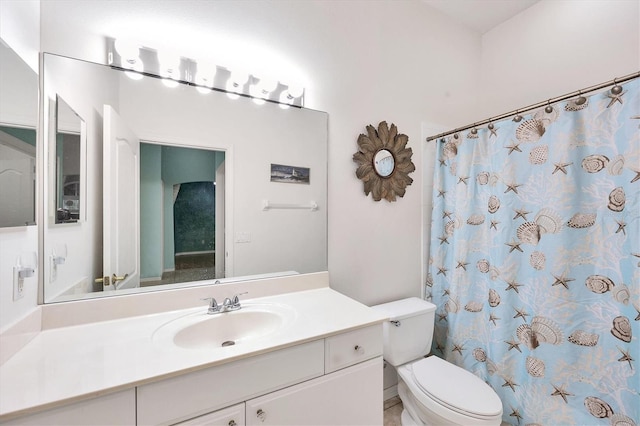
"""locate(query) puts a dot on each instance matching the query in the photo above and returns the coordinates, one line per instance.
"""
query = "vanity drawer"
(230, 416)
(352, 347)
(194, 394)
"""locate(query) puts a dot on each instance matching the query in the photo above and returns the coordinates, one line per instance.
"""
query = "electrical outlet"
(18, 284)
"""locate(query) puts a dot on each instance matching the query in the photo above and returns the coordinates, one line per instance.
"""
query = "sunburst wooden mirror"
(384, 162)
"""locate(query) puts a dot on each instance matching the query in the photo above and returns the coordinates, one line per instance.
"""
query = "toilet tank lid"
(405, 308)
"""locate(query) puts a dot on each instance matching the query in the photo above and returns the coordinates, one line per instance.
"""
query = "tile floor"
(392, 411)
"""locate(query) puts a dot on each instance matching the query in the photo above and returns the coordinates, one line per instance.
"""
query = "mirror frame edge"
(40, 152)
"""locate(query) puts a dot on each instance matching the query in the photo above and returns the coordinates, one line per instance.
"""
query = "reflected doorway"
(181, 214)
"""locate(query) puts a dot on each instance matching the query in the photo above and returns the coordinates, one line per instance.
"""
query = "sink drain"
(228, 343)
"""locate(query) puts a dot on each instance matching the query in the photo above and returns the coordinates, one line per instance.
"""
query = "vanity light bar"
(138, 61)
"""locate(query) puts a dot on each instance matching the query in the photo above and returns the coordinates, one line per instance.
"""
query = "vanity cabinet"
(114, 409)
(193, 394)
(329, 381)
(352, 396)
(332, 381)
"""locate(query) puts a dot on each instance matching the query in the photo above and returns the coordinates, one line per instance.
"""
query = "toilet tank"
(408, 334)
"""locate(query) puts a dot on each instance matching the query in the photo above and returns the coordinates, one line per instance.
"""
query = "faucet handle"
(236, 298)
(213, 305)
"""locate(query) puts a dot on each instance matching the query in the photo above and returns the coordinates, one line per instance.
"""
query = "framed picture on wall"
(290, 174)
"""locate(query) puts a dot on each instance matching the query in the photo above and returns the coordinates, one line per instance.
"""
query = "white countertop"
(69, 364)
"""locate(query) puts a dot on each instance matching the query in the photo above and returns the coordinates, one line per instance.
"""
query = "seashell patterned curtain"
(535, 259)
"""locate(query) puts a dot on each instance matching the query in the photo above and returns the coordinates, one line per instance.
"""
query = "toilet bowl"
(433, 391)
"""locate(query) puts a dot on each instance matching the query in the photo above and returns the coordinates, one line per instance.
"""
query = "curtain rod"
(538, 105)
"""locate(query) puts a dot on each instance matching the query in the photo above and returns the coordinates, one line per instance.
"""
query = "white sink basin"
(204, 331)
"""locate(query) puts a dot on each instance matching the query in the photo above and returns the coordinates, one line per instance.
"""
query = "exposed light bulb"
(169, 68)
(205, 76)
(204, 90)
(295, 91)
(258, 101)
(169, 82)
(134, 69)
(267, 85)
(257, 93)
(238, 79)
(127, 49)
(285, 100)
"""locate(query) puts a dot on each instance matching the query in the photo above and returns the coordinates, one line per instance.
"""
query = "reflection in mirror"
(18, 119)
(68, 160)
(181, 211)
(384, 163)
(181, 143)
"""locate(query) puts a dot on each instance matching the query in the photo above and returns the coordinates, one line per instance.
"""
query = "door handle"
(106, 280)
(115, 278)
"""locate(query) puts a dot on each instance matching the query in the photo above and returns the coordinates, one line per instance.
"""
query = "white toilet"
(433, 391)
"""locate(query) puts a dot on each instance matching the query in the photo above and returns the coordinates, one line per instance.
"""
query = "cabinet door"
(352, 396)
(231, 416)
(114, 409)
(204, 391)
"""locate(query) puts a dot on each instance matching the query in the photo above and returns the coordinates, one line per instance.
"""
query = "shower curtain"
(535, 259)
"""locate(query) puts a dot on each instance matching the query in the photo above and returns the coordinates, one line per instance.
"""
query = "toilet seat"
(452, 387)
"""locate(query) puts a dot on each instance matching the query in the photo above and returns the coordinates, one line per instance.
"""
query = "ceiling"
(480, 15)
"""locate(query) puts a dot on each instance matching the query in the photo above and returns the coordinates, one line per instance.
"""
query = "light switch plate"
(18, 284)
(53, 269)
(243, 237)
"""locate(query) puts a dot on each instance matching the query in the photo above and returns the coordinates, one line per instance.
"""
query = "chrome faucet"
(229, 304)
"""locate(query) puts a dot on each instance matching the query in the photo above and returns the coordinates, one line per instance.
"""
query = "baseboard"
(390, 392)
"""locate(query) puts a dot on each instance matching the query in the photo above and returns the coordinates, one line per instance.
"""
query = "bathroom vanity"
(305, 357)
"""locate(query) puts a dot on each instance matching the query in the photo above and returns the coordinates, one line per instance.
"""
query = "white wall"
(365, 62)
(557, 47)
(19, 28)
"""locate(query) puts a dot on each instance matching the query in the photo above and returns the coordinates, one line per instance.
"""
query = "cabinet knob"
(359, 349)
(232, 423)
(261, 415)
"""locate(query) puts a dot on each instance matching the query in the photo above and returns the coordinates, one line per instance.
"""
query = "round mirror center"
(384, 163)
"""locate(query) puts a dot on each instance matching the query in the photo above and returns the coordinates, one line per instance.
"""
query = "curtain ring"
(616, 89)
(548, 109)
(517, 118)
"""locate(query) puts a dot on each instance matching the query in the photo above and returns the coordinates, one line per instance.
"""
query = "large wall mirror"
(175, 186)
(18, 122)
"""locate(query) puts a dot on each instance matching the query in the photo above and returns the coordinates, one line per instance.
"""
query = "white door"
(17, 176)
(121, 198)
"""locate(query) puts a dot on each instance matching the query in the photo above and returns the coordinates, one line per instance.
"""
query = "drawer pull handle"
(359, 349)
(261, 415)
(232, 423)
(396, 323)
